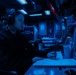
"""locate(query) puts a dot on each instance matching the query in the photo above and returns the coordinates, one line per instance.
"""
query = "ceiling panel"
(40, 6)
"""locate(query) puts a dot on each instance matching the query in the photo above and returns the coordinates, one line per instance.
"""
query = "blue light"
(47, 12)
(22, 1)
(23, 11)
(65, 17)
(42, 27)
(35, 15)
(51, 72)
(63, 27)
(35, 30)
(39, 72)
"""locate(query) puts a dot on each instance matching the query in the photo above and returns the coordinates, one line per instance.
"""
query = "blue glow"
(35, 15)
(51, 72)
(22, 1)
(39, 72)
(42, 27)
(65, 17)
(57, 27)
(47, 12)
(23, 11)
(35, 30)
(35, 33)
(63, 27)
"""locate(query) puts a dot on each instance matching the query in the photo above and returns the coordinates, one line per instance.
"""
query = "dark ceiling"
(62, 7)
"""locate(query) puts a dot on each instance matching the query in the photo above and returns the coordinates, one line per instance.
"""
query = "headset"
(11, 16)
(10, 19)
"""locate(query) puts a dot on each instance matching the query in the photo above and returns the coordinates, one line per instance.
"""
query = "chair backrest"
(67, 51)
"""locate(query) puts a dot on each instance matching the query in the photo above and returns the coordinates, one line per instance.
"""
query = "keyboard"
(51, 62)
